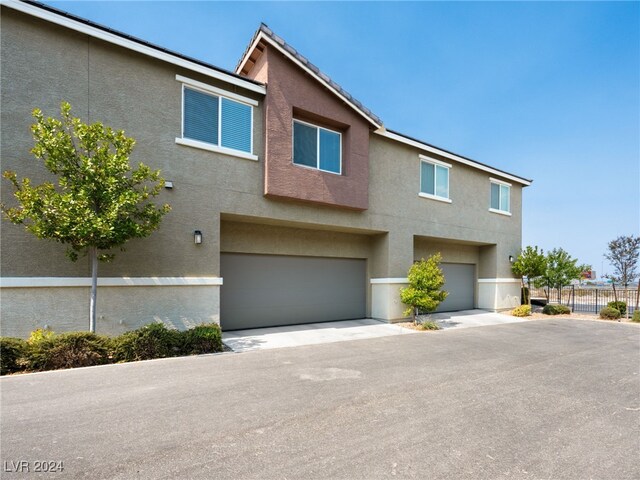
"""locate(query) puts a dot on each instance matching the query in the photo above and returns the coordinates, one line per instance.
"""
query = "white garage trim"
(499, 280)
(48, 282)
(389, 280)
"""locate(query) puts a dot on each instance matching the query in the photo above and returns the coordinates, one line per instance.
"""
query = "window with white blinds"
(216, 120)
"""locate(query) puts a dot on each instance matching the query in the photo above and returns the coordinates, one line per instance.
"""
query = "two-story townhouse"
(306, 207)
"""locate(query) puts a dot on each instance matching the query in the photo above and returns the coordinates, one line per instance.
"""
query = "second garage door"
(460, 283)
(269, 290)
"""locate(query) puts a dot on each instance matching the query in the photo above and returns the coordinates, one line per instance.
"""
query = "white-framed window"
(434, 179)
(317, 147)
(216, 120)
(500, 197)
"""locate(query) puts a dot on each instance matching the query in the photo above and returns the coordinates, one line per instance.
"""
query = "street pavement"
(555, 398)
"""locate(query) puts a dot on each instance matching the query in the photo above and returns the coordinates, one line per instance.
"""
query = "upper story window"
(434, 179)
(500, 197)
(317, 147)
(216, 120)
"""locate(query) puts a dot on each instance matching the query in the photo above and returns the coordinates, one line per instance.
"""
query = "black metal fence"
(587, 300)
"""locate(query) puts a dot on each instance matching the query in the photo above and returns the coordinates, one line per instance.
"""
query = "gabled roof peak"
(264, 33)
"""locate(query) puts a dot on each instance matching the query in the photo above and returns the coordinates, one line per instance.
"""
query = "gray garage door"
(460, 283)
(270, 290)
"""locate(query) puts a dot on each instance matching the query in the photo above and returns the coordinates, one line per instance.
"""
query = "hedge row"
(45, 350)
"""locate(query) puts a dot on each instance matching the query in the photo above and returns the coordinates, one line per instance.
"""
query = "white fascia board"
(437, 151)
(247, 55)
(53, 282)
(262, 36)
(131, 45)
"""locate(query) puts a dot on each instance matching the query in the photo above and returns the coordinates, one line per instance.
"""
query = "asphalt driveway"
(553, 399)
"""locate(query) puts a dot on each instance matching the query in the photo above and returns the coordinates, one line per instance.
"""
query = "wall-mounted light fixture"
(168, 184)
(197, 237)
(511, 259)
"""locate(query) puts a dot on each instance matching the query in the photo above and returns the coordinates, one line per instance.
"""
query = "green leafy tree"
(560, 269)
(531, 263)
(99, 202)
(425, 287)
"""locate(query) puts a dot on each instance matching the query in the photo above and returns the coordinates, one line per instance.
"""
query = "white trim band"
(434, 161)
(499, 280)
(131, 45)
(434, 197)
(216, 91)
(53, 282)
(187, 142)
(387, 281)
(499, 182)
(501, 212)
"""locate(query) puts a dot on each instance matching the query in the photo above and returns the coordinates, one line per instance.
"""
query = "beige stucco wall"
(141, 95)
(128, 91)
(452, 252)
(66, 309)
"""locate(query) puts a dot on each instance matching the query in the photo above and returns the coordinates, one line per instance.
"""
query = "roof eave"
(92, 29)
(451, 156)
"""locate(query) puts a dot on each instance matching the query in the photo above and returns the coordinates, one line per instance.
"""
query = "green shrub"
(620, 306)
(12, 352)
(521, 311)
(428, 325)
(636, 316)
(205, 338)
(151, 341)
(610, 313)
(553, 309)
(48, 351)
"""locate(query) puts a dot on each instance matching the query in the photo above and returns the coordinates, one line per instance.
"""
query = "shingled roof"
(265, 33)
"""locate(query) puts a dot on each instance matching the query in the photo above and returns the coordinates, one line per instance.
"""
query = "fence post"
(596, 301)
(573, 297)
(626, 295)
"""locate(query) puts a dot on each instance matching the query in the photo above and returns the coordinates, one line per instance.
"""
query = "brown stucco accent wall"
(291, 93)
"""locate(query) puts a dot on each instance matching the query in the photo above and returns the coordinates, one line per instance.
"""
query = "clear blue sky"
(545, 90)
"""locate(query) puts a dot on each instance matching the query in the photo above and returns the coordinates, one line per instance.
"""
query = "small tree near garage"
(99, 202)
(424, 292)
(531, 264)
